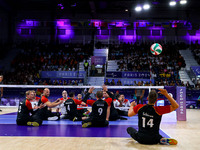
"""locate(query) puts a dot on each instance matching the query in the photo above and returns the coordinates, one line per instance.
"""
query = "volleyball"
(156, 49)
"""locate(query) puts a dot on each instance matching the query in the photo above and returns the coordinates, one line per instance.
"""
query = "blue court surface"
(66, 128)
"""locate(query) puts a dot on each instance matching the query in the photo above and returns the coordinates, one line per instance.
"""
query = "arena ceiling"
(159, 8)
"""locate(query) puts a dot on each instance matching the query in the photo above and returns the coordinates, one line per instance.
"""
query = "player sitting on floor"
(84, 111)
(99, 116)
(47, 114)
(71, 108)
(24, 110)
(34, 101)
(149, 118)
(120, 105)
(109, 97)
(61, 107)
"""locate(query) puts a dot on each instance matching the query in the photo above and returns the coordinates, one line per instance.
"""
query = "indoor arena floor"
(65, 134)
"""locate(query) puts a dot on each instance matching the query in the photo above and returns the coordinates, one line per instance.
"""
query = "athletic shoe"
(85, 125)
(35, 124)
(0, 110)
(29, 123)
(54, 118)
(168, 141)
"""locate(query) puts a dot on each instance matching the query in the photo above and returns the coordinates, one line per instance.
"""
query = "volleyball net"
(13, 94)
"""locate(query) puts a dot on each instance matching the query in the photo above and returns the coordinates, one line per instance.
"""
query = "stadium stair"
(189, 61)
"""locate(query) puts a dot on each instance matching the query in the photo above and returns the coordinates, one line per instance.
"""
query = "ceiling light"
(138, 8)
(182, 2)
(146, 6)
(172, 3)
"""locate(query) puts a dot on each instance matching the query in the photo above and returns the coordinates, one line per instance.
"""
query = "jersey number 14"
(145, 123)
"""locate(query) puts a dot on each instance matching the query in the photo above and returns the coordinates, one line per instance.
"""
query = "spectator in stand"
(188, 86)
(119, 82)
(112, 82)
(60, 82)
(182, 83)
(107, 83)
(65, 82)
(93, 69)
(86, 64)
(76, 82)
(80, 82)
(70, 82)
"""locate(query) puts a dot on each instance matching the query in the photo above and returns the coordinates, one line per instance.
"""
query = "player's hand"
(41, 106)
(84, 104)
(133, 104)
(91, 90)
(163, 91)
(105, 88)
(58, 100)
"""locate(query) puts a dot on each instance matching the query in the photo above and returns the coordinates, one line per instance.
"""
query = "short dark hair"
(99, 94)
(152, 96)
(71, 94)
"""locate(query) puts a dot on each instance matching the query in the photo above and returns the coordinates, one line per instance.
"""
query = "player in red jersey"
(149, 118)
(47, 114)
(84, 111)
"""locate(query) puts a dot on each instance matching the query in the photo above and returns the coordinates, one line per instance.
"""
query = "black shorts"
(148, 139)
(78, 115)
(143, 138)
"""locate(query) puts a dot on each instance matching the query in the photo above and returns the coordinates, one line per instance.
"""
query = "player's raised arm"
(131, 110)
(174, 105)
(105, 89)
(85, 98)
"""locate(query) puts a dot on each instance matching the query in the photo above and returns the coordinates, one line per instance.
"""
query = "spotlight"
(172, 3)
(146, 6)
(182, 2)
(126, 9)
(138, 8)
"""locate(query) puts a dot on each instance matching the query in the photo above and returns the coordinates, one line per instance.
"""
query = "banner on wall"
(62, 74)
(181, 100)
(143, 75)
(140, 75)
(98, 60)
(114, 74)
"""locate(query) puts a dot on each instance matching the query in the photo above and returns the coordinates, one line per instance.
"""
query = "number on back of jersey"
(146, 122)
(20, 107)
(68, 107)
(100, 111)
